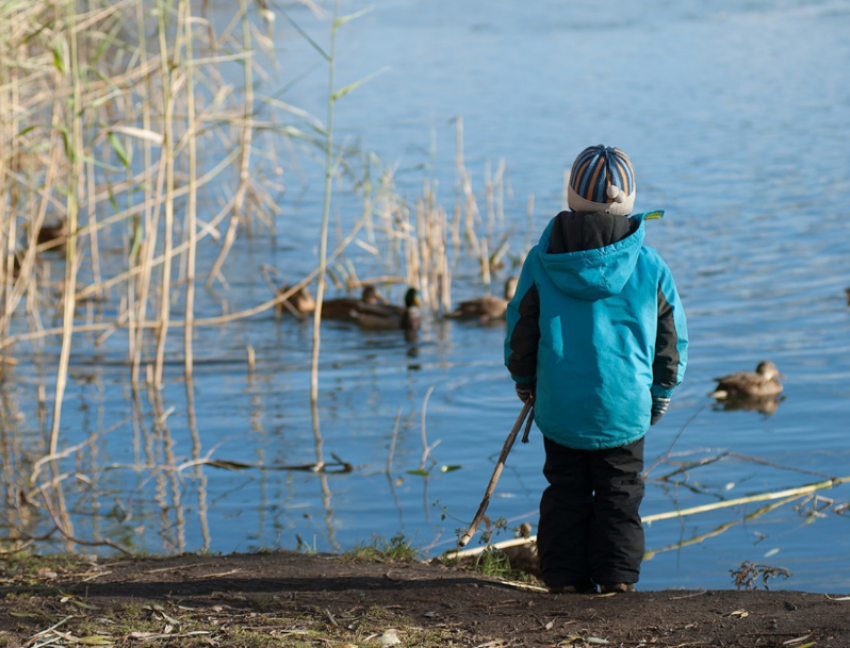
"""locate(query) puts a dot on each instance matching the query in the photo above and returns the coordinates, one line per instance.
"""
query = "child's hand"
(525, 391)
(659, 409)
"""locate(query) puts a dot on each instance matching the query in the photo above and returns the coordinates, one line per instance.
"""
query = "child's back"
(597, 330)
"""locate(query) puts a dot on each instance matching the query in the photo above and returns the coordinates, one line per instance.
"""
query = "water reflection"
(319, 468)
(200, 476)
(765, 404)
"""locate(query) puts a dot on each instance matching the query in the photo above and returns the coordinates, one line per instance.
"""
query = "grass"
(378, 549)
(493, 563)
(25, 567)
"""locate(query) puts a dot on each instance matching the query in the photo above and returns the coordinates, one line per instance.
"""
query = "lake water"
(735, 116)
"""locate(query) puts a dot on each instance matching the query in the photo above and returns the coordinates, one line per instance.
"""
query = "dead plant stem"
(191, 208)
(73, 183)
(323, 239)
(168, 84)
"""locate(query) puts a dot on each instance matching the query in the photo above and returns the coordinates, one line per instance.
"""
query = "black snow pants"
(590, 529)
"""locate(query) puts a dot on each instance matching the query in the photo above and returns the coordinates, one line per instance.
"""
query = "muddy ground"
(295, 599)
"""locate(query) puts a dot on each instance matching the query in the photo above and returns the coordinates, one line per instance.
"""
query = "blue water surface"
(735, 116)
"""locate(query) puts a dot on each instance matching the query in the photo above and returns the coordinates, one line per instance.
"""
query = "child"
(597, 337)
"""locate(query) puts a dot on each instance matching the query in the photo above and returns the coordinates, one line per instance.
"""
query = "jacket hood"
(597, 273)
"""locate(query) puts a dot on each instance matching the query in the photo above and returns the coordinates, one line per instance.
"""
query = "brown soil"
(302, 600)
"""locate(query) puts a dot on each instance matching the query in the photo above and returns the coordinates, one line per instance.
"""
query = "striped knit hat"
(602, 180)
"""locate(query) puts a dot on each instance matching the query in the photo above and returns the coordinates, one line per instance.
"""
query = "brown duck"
(301, 301)
(747, 384)
(346, 308)
(487, 308)
(389, 316)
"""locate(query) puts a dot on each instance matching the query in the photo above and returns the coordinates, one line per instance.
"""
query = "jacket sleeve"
(523, 329)
(671, 340)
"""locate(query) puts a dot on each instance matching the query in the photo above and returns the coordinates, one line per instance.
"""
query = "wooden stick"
(509, 442)
(528, 422)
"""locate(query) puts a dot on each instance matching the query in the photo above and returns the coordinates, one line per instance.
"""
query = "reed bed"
(104, 109)
(112, 209)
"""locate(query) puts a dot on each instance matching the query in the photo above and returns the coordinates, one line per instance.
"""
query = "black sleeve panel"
(666, 362)
(526, 334)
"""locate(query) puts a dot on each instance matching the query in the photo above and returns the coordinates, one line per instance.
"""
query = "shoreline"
(290, 598)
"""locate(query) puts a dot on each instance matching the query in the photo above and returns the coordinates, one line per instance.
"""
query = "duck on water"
(302, 301)
(389, 316)
(488, 308)
(371, 311)
(748, 384)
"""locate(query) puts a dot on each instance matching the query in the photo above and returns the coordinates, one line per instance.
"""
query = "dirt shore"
(294, 599)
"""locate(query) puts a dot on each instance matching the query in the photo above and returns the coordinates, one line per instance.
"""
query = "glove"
(659, 409)
(525, 391)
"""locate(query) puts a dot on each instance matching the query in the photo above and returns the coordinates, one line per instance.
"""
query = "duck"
(487, 308)
(300, 302)
(847, 292)
(747, 384)
(345, 308)
(389, 316)
(53, 236)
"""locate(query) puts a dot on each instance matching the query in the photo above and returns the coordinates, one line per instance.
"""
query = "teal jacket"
(601, 331)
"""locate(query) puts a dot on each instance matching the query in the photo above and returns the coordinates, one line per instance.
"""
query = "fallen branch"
(761, 497)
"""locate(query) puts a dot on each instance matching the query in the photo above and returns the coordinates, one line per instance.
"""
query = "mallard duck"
(486, 308)
(747, 384)
(344, 308)
(389, 316)
(301, 301)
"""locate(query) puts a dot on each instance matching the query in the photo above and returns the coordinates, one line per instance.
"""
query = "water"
(734, 115)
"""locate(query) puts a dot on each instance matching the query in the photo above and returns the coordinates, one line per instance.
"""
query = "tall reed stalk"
(246, 142)
(74, 151)
(167, 77)
(326, 206)
(192, 206)
(141, 253)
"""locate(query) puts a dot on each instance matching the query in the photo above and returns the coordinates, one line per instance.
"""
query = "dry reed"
(104, 112)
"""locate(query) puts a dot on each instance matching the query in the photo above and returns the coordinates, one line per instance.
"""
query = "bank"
(286, 598)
